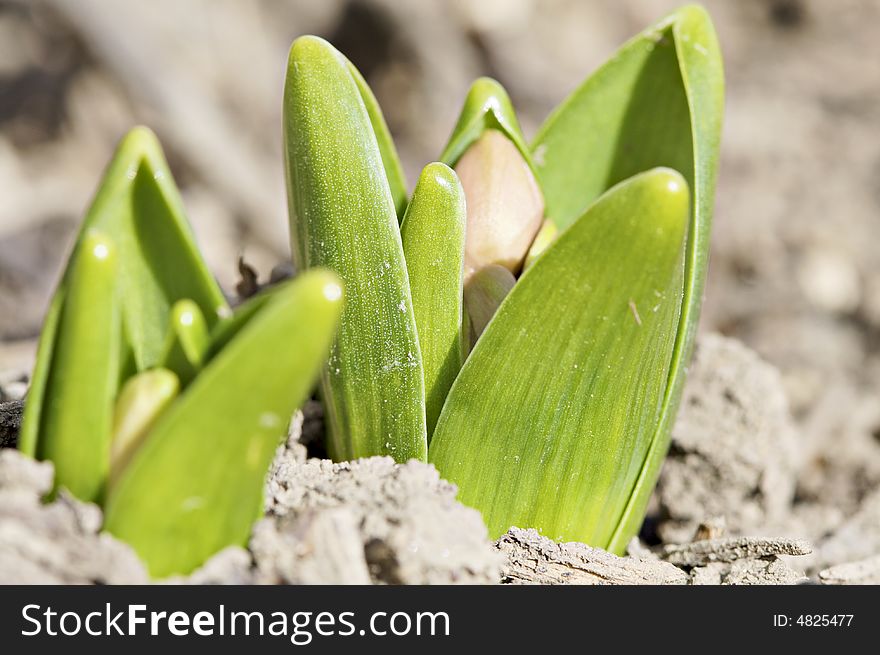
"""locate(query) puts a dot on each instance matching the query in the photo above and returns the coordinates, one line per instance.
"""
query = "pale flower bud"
(483, 294)
(505, 207)
(142, 399)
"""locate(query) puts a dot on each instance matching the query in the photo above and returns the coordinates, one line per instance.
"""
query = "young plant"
(574, 268)
(149, 395)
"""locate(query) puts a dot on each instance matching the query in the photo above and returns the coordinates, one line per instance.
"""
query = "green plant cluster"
(522, 321)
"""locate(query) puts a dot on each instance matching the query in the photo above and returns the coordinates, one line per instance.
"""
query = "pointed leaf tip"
(670, 188)
(486, 106)
(98, 248)
(140, 141)
(440, 175)
(187, 342)
(312, 50)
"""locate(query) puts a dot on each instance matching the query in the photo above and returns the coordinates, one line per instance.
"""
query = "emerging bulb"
(483, 294)
(141, 401)
(505, 206)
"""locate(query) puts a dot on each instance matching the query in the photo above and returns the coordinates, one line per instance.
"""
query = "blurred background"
(795, 271)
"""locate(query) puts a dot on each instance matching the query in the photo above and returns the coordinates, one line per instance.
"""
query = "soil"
(729, 475)
(779, 432)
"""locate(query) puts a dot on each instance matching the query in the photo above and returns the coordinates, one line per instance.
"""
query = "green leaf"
(195, 486)
(342, 216)
(657, 102)
(73, 410)
(138, 206)
(554, 411)
(187, 341)
(28, 436)
(433, 243)
(390, 160)
(224, 331)
(487, 106)
(139, 210)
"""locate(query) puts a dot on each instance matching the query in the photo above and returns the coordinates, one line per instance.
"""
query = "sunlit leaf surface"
(342, 216)
(433, 243)
(554, 411)
(195, 486)
(657, 102)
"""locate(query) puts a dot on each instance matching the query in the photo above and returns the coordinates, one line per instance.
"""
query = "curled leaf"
(138, 209)
(196, 483)
(552, 415)
(658, 102)
(486, 107)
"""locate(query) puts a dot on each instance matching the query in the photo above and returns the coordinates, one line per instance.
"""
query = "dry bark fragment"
(534, 559)
(701, 553)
